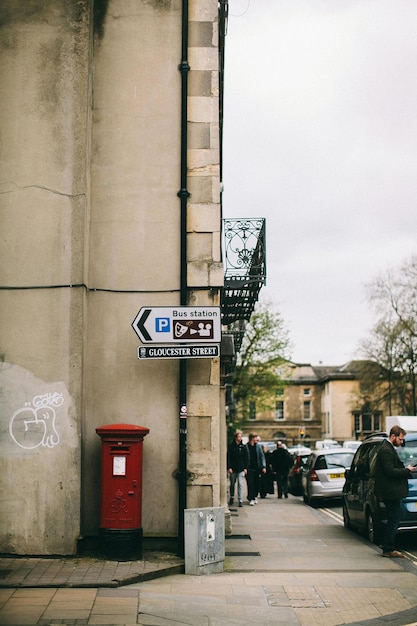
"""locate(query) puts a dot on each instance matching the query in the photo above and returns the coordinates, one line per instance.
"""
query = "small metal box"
(204, 540)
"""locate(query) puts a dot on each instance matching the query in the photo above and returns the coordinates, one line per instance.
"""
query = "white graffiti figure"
(34, 424)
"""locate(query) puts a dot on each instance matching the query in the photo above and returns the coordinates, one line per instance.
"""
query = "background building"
(324, 402)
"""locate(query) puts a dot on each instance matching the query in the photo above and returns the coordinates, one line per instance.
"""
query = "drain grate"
(243, 554)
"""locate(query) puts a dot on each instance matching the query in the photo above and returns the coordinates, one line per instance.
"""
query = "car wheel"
(311, 501)
(372, 530)
(346, 519)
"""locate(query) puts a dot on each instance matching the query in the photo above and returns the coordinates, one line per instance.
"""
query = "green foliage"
(265, 348)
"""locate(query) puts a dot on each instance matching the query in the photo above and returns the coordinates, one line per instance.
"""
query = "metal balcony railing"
(245, 268)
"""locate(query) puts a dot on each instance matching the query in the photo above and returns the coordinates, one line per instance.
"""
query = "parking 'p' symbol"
(162, 324)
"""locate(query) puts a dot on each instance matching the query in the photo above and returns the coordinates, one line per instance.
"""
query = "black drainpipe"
(183, 194)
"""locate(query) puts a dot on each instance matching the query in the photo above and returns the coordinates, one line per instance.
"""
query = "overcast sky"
(320, 138)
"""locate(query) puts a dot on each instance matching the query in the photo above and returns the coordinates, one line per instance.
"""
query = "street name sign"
(183, 324)
(197, 351)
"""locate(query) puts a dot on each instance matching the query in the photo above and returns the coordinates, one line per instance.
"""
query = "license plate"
(336, 475)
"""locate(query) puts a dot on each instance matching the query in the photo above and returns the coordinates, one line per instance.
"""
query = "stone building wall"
(90, 217)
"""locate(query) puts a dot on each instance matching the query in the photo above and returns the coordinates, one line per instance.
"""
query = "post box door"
(121, 485)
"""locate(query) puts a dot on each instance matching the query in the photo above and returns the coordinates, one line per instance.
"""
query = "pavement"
(286, 563)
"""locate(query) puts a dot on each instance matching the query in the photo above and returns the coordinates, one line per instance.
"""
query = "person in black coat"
(281, 463)
(237, 466)
(391, 485)
(266, 483)
(256, 467)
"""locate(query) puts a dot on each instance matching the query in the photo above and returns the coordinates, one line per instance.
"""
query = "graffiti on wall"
(34, 424)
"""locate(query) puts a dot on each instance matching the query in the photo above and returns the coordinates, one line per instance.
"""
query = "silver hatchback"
(324, 474)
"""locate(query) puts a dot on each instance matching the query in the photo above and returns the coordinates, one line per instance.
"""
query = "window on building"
(252, 410)
(307, 410)
(357, 419)
(307, 391)
(279, 410)
(366, 422)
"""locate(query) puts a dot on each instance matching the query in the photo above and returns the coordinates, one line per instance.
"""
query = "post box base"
(120, 545)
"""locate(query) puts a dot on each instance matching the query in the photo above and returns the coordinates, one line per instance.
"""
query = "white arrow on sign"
(184, 324)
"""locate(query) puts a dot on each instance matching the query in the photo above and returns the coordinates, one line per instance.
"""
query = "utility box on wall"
(204, 540)
(120, 531)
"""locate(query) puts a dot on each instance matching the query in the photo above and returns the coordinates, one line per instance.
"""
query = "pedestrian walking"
(257, 466)
(391, 485)
(281, 463)
(266, 482)
(237, 466)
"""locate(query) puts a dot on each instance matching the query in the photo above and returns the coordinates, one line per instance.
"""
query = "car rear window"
(329, 461)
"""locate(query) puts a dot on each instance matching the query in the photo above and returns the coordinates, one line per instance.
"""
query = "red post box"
(120, 533)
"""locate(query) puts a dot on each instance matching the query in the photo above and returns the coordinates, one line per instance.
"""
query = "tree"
(264, 349)
(393, 340)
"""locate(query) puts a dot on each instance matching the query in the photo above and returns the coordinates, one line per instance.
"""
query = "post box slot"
(119, 448)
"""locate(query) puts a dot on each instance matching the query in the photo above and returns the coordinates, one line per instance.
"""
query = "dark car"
(301, 455)
(362, 510)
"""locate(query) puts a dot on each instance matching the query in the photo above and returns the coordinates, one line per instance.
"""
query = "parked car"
(301, 455)
(271, 445)
(305, 450)
(324, 474)
(327, 443)
(352, 445)
(361, 509)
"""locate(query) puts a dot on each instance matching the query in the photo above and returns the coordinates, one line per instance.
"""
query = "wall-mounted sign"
(184, 324)
(119, 466)
(196, 351)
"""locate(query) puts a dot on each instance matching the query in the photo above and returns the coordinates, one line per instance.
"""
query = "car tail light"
(313, 476)
(297, 465)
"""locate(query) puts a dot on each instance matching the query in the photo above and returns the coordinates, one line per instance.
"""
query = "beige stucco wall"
(39, 478)
(134, 245)
(89, 175)
(337, 403)
(44, 53)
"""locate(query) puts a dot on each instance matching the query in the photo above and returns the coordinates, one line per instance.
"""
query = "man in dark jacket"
(391, 485)
(237, 466)
(281, 463)
(256, 467)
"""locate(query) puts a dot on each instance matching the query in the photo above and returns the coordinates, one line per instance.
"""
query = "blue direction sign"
(183, 324)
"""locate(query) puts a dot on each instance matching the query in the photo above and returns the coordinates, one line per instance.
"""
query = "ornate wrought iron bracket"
(245, 267)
